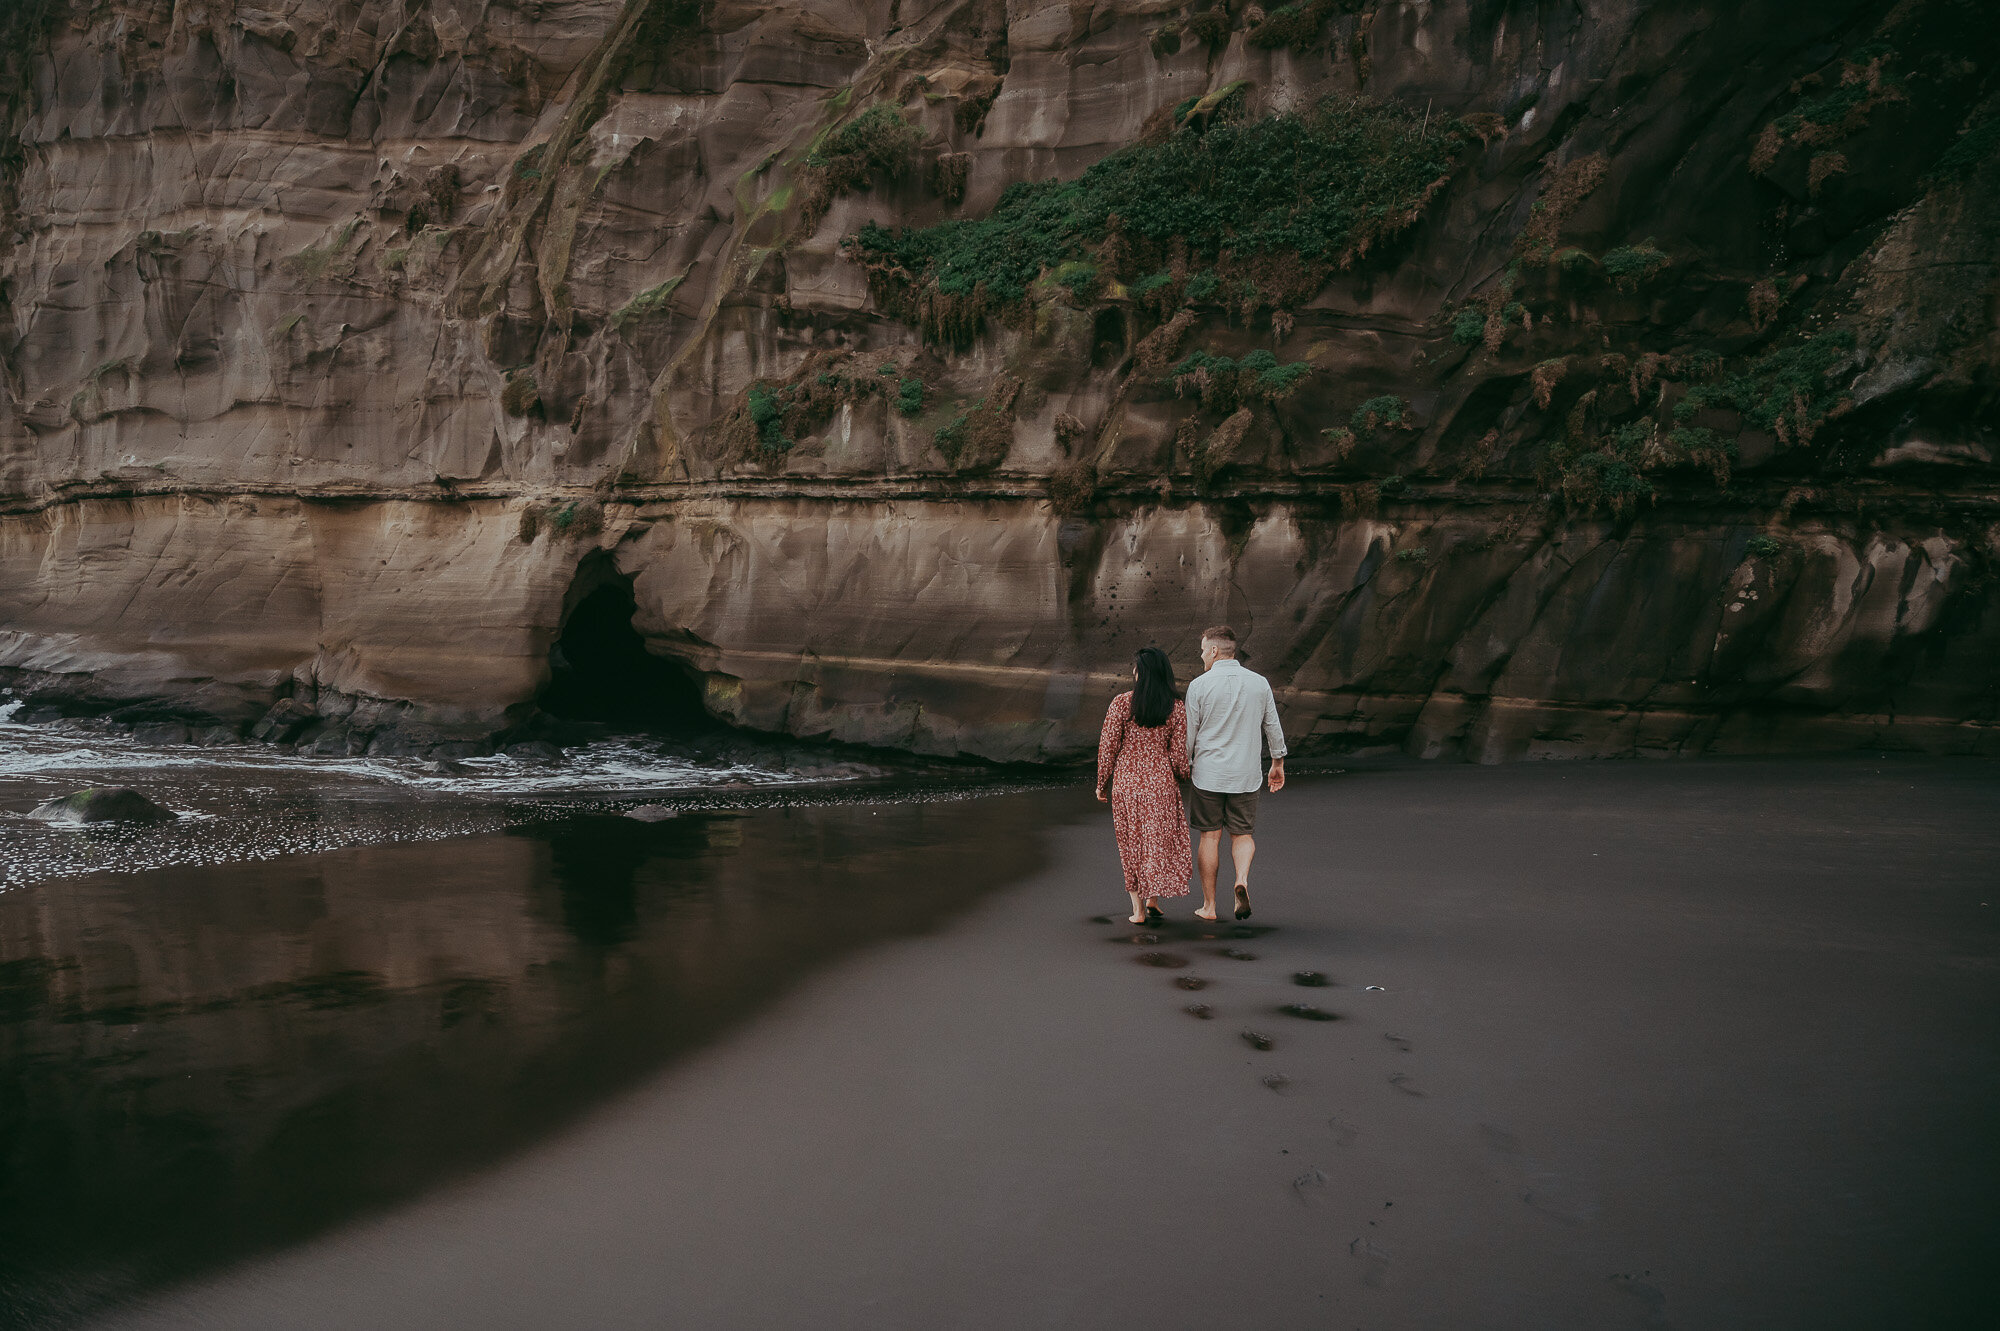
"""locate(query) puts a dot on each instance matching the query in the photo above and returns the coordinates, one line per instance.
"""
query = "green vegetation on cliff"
(767, 413)
(1607, 472)
(1222, 383)
(1375, 412)
(651, 301)
(1972, 149)
(878, 141)
(1787, 392)
(1297, 27)
(880, 144)
(1279, 202)
(979, 436)
(1630, 265)
(775, 415)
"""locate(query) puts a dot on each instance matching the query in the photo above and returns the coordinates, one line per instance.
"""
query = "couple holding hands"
(1214, 739)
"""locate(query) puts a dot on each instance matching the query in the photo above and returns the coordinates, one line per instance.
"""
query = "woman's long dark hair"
(1153, 694)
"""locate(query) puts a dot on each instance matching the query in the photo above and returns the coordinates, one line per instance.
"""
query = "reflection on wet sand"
(204, 1062)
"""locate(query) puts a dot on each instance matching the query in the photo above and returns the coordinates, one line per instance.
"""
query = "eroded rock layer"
(1587, 379)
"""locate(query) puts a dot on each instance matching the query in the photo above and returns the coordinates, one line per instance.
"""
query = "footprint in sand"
(1308, 1012)
(1237, 954)
(1344, 1132)
(1146, 939)
(1310, 979)
(1560, 1198)
(1402, 1045)
(1376, 1260)
(1190, 982)
(1563, 1199)
(1277, 1081)
(1098, 919)
(1201, 1010)
(1651, 1297)
(1314, 1177)
(1257, 1040)
(1166, 959)
(1401, 1081)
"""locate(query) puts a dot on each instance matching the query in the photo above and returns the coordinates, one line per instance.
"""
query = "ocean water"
(210, 1060)
(332, 983)
(255, 801)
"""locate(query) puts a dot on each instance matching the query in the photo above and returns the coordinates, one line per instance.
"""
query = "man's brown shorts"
(1211, 812)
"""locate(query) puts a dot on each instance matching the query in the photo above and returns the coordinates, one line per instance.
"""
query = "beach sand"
(1699, 1044)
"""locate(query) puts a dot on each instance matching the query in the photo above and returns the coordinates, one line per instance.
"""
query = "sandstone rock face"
(348, 343)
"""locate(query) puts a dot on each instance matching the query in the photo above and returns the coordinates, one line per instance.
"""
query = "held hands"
(1277, 777)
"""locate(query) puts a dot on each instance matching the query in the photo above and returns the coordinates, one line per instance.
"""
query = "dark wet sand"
(1697, 1045)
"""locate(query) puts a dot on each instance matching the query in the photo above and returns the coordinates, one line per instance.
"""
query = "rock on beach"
(108, 804)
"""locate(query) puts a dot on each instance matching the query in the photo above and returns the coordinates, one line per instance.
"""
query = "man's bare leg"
(1209, 857)
(1242, 849)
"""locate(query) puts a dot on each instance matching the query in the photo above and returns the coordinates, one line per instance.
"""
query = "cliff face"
(1525, 377)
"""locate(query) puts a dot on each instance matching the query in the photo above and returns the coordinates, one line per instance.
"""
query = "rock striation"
(1519, 379)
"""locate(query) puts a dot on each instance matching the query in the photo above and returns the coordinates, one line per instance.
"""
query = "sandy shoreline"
(1656, 1045)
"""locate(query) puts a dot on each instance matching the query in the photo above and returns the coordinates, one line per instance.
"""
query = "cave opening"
(1107, 338)
(600, 669)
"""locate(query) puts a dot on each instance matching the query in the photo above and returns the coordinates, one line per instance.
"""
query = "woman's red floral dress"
(1140, 764)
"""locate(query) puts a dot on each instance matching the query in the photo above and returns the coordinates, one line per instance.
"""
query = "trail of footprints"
(1567, 1200)
(1150, 937)
(1372, 1255)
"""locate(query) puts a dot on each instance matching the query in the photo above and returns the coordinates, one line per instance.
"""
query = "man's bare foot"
(1242, 901)
(1208, 915)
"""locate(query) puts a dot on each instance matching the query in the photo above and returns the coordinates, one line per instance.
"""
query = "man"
(1229, 710)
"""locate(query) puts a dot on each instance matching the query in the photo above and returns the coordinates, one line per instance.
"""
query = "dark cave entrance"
(600, 670)
(1107, 338)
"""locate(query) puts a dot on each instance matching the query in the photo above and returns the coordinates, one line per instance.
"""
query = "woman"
(1142, 750)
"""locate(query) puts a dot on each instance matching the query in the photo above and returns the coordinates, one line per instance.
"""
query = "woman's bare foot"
(1135, 919)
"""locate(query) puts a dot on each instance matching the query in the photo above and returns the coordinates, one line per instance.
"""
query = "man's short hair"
(1224, 638)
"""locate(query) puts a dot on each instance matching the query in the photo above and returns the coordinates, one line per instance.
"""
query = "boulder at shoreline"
(107, 804)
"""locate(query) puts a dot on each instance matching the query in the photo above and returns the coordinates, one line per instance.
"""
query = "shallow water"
(257, 802)
(332, 982)
(208, 1060)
